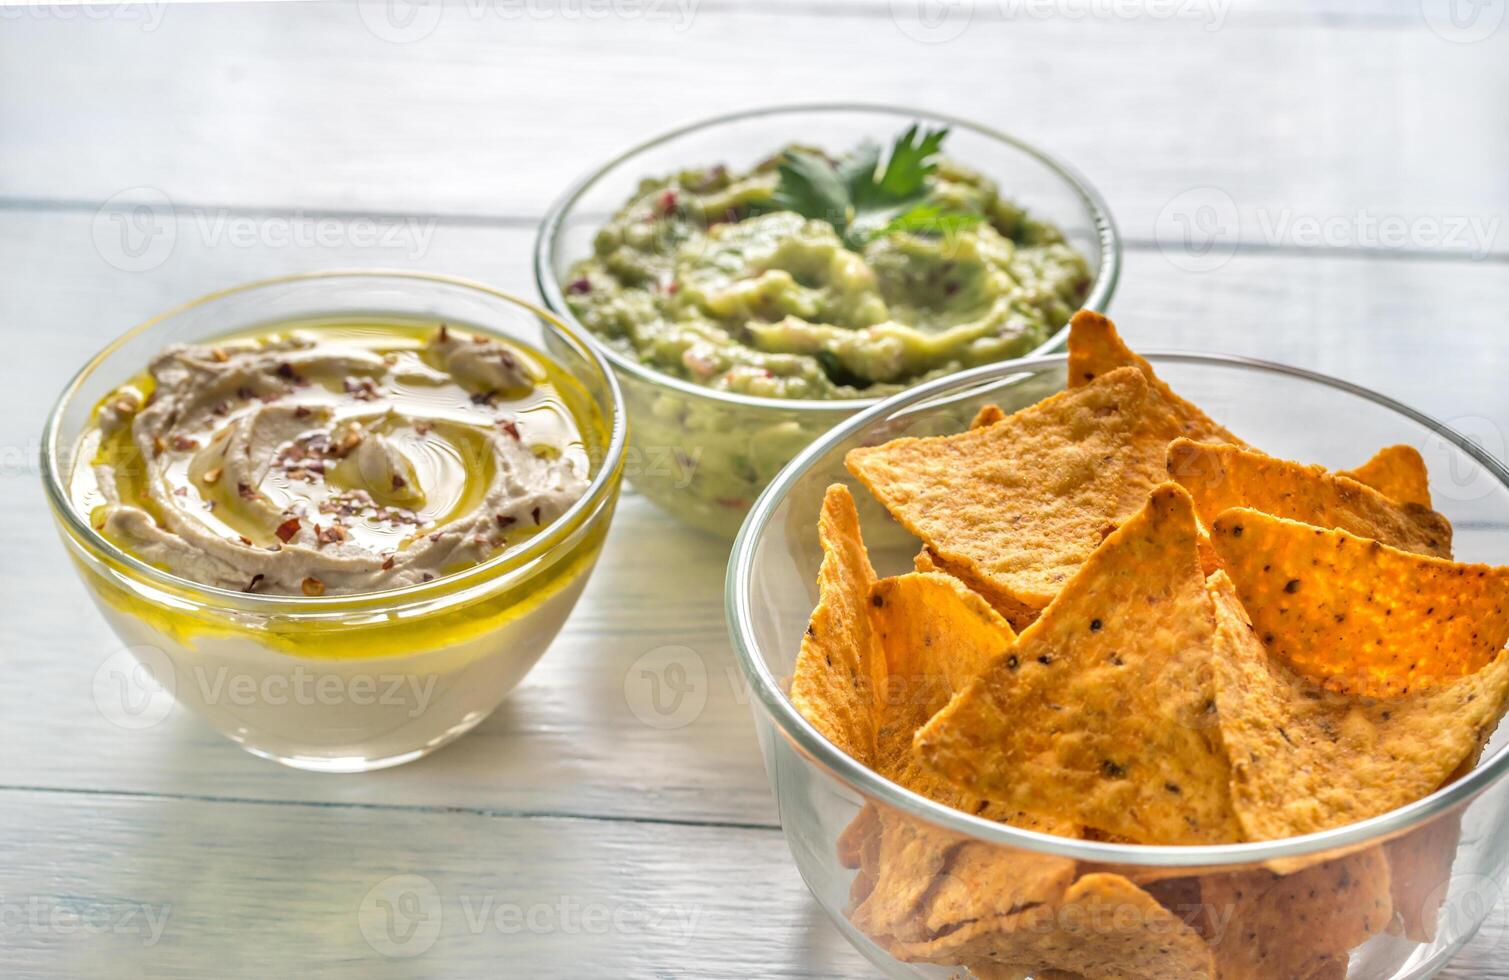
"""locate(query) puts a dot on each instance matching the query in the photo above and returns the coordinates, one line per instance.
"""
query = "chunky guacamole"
(711, 276)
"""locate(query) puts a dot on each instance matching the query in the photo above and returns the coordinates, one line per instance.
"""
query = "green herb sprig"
(865, 201)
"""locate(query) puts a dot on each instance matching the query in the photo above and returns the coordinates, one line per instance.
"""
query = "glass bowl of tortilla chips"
(1059, 676)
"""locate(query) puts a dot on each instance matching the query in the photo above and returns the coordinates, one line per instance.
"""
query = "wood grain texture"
(1280, 113)
(242, 113)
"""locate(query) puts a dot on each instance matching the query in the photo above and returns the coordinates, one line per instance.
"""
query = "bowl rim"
(871, 785)
(457, 586)
(1098, 299)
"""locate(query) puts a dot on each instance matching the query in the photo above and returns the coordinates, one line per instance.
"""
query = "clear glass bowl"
(337, 683)
(704, 455)
(1446, 853)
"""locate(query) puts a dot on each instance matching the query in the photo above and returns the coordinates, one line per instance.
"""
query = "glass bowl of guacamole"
(756, 278)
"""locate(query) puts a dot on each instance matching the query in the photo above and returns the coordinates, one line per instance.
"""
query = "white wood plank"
(1291, 118)
(568, 741)
(183, 890)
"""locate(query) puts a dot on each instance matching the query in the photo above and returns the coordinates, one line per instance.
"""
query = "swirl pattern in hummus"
(331, 461)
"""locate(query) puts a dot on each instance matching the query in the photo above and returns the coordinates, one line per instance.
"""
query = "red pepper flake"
(246, 491)
(510, 426)
(399, 482)
(504, 520)
(256, 580)
(312, 586)
(245, 394)
(484, 397)
(301, 412)
(579, 286)
(667, 202)
(673, 287)
(221, 408)
(535, 514)
(428, 577)
(387, 563)
(444, 334)
(733, 503)
(246, 541)
(288, 529)
(286, 371)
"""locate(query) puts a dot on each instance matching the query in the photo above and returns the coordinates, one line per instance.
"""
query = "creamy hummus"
(331, 459)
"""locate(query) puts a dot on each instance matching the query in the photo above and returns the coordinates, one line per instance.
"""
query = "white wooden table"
(1333, 160)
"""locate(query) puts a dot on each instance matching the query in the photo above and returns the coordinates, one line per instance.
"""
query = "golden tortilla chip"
(936, 636)
(1105, 928)
(1397, 472)
(1223, 477)
(1304, 759)
(997, 971)
(839, 669)
(1357, 615)
(1096, 349)
(1103, 712)
(1266, 926)
(1021, 504)
(987, 415)
(984, 881)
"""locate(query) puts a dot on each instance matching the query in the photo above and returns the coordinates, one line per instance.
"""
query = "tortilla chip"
(936, 636)
(851, 841)
(987, 415)
(1420, 865)
(985, 881)
(1305, 760)
(1267, 926)
(1357, 615)
(1096, 349)
(908, 862)
(839, 669)
(1223, 477)
(1105, 927)
(1021, 504)
(1103, 712)
(998, 971)
(1397, 472)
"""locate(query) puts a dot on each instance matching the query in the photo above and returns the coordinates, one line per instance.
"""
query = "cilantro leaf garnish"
(865, 201)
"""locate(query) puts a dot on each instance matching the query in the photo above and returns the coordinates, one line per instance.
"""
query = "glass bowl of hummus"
(748, 305)
(927, 890)
(338, 516)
